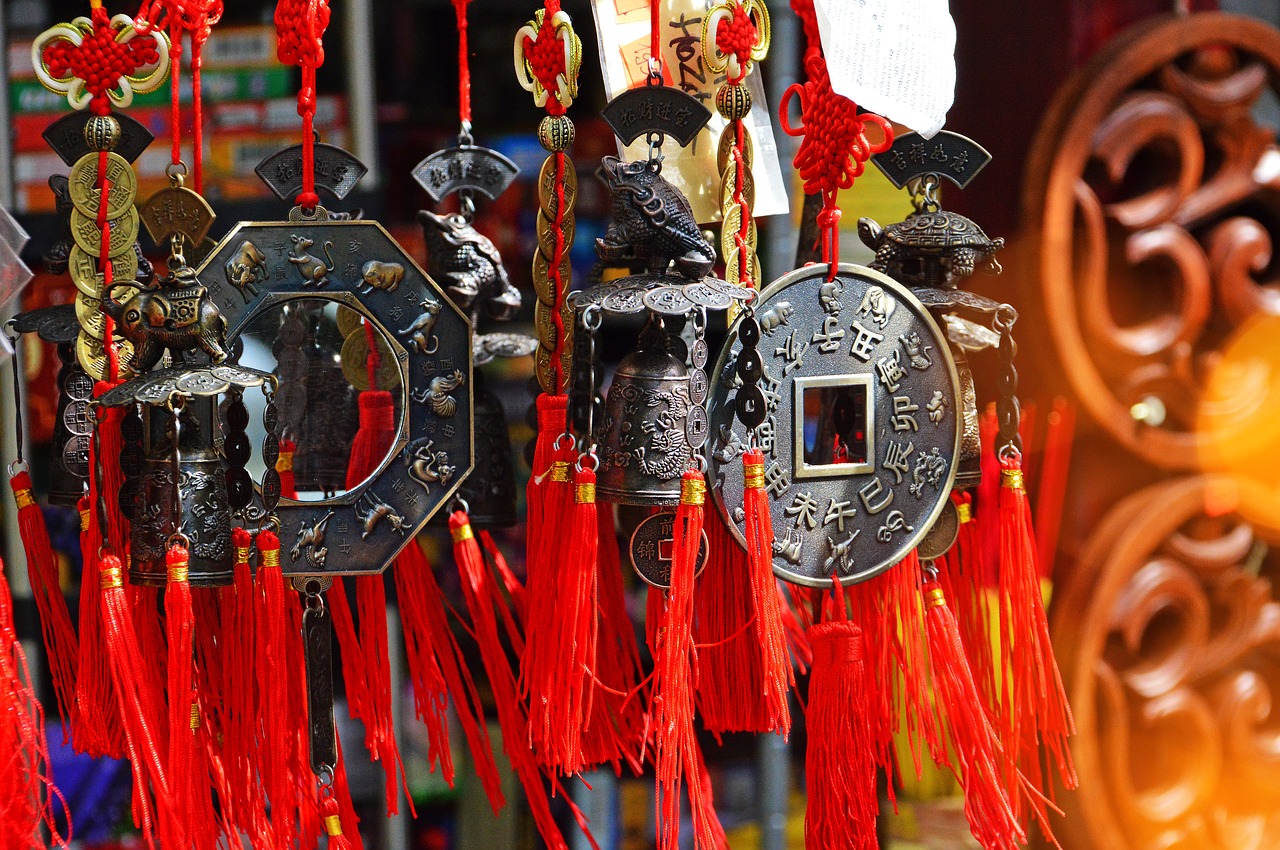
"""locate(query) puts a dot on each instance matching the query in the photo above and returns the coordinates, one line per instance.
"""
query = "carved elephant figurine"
(179, 317)
(379, 275)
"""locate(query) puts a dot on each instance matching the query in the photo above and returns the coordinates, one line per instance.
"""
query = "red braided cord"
(99, 59)
(655, 34)
(300, 26)
(464, 63)
(736, 36)
(556, 260)
(373, 361)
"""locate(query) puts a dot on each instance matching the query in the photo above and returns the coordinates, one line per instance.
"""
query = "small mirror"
(834, 421)
(320, 350)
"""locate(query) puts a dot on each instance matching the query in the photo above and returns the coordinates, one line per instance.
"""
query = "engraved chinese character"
(663, 111)
(353, 247)
(937, 407)
(960, 162)
(446, 364)
(767, 436)
(804, 508)
(351, 270)
(864, 343)
(838, 511)
(397, 311)
(397, 485)
(342, 527)
(828, 339)
(917, 152)
(646, 549)
(895, 458)
(938, 154)
(776, 481)
(683, 114)
(872, 491)
(899, 161)
(889, 369)
(903, 409)
(793, 352)
(448, 430)
(917, 352)
(627, 118)
(344, 547)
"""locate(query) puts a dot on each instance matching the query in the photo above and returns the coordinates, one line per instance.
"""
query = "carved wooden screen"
(1155, 193)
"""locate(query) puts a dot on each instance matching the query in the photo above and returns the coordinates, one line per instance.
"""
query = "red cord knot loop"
(738, 31)
(548, 57)
(100, 61)
(308, 201)
(829, 218)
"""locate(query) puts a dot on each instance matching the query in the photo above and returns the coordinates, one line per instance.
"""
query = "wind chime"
(834, 432)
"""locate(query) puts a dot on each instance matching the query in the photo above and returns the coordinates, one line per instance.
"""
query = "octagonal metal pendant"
(296, 293)
(862, 429)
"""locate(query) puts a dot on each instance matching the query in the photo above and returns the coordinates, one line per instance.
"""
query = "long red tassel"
(979, 760)
(437, 673)
(969, 585)
(60, 643)
(617, 728)
(240, 690)
(26, 786)
(840, 760)
(209, 717)
(138, 706)
(96, 728)
(284, 466)
(674, 682)
(346, 808)
(512, 717)
(272, 686)
(1033, 697)
(299, 724)
(333, 824)
(380, 733)
(551, 419)
(770, 635)
(180, 623)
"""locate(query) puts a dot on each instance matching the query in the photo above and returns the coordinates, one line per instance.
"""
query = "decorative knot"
(736, 35)
(738, 30)
(300, 26)
(96, 62)
(548, 56)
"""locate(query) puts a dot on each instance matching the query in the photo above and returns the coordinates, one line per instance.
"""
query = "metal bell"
(644, 447)
(71, 427)
(206, 512)
(490, 489)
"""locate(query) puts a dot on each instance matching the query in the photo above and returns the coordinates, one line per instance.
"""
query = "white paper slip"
(892, 57)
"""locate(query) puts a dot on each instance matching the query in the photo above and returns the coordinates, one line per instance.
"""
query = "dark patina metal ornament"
(930, 248)
(468, 265)
(652, 223)
(176, 315)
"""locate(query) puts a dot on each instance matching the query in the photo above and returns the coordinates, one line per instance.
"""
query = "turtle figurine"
(653, 225)
(947, 245)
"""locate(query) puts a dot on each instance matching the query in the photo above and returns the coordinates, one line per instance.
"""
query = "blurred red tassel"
(60, 643)
(979, 759)
(346, 808)
(240, 689)
(272, 686)
(180, 623)
(284, 466)
(26, 786)
(1034, 700)
(967, 582)
(770, 636)
(380, 733)
(512, 717)
(515, 590)
(840, 761)
(438, 671)
(96, 728)
(333, 824)
(674, 682)
(139, 708)
(374, 437)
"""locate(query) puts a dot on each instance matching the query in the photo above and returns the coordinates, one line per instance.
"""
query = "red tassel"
(376, 434)
(344, 627)
(551, 419)
(438, 673)
(179, 623)
(272, 686)
(284, 466)
(770, 636)
(674, 681)
(60, 643)
(26, 788)
(333, 824)
(95, 727)
(616, 730)
(840, 760)
(346, 808)
(208, 719)
(379, 730)
(240, 687)
(138, 706)
(297, 720)
(979, 760)
(515, 590)
(1034, 700)
(967, 582)
(512, 717)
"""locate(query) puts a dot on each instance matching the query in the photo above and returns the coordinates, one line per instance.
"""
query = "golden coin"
(82, 183)
(732, 224)
(731, 266)
(728, 186)
(93, 358)
(544, 368)
(355, 362)
(546, 230)
(548, 196)
(124, 232)
(83, 268)
(349, 321)
(89, 314)
(725, 154)
(543, 285)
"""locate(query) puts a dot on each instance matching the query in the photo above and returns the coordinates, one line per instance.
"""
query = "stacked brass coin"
(557, 191)
(103, 189)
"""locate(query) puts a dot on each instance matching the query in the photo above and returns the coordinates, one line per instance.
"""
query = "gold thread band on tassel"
(1012, 478)
(195, 716)
(333, 825)
(284, 463)
(964, 513)
(111, 578)
(24, 498)
(178, 572)
(585, 494)
(84, 519)
(242, 554)
(753, 475)
(560, 471)
(462, 532)
(693, 491)
(935, 598)
(269, 557)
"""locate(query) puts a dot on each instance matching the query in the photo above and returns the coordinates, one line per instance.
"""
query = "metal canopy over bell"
(644, 445)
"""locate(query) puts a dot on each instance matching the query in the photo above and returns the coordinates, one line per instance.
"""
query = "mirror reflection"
(835, 424)
(325, 356)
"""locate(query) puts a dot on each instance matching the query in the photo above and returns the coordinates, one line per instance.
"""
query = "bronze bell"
(969, 466)
(71, 429)
(644, 449)
(490, 489)
(206, 512)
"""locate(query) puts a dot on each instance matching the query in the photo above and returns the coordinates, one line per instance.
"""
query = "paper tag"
(623, 30)
(892, 57)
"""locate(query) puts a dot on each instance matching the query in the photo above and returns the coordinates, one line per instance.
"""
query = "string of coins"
(734, 35)
(548, 55)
